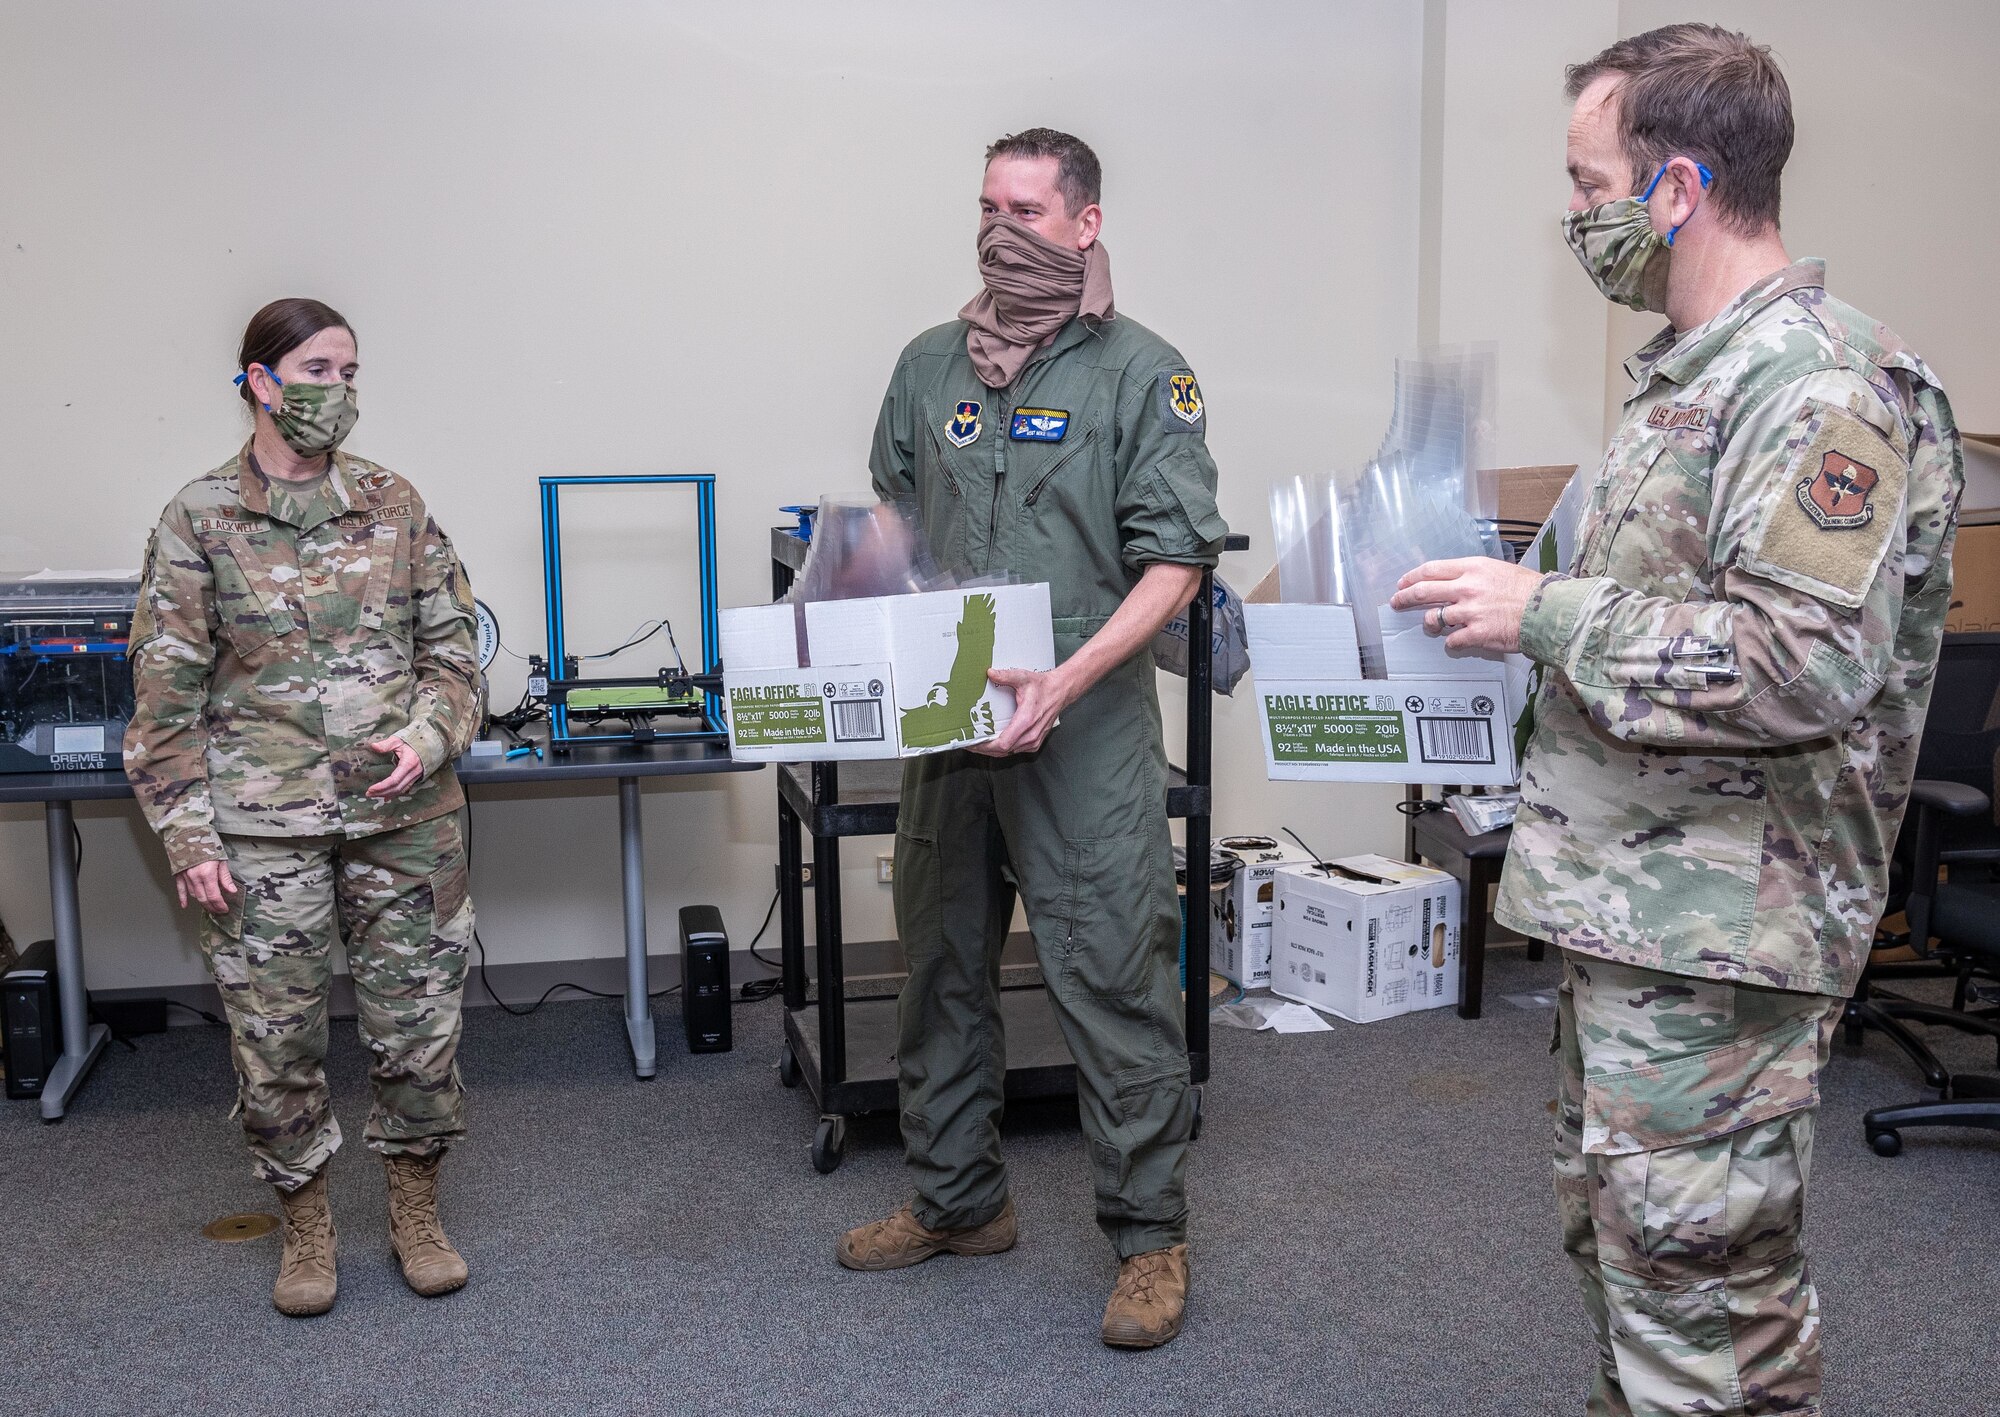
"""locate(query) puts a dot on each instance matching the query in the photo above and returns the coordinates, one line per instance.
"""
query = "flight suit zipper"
(937, 448)
(1057, 466)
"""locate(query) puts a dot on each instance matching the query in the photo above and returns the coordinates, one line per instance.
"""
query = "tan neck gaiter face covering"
(1033, 288)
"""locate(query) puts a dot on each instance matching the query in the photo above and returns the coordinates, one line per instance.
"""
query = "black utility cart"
(844, 1047)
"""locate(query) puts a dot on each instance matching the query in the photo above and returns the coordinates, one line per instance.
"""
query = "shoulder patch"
(1837, 509)
(1181, 408)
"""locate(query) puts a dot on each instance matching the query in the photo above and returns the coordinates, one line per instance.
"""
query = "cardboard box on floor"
(1975, 561)
(1242, 909)
(892, 676)
(1365, 937)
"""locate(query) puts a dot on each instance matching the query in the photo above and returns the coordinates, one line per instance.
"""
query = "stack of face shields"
(861, 549)
(1420, 498)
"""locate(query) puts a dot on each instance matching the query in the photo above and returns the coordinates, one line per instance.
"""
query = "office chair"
(1950, 826)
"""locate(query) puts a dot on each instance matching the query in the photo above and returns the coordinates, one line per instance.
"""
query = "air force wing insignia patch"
(963, 425)
(1181, 408)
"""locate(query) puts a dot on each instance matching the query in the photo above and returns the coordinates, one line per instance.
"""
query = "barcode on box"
(857, 720)
(1455, 740)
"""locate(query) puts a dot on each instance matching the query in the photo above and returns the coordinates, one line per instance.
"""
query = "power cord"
(753, 990)
(1302, 844)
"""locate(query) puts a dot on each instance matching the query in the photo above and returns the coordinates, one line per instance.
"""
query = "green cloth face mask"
(1620, 251)
(313, 418)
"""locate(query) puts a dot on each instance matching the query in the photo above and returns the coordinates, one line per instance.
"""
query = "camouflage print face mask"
(316, 418)
(1621, 252)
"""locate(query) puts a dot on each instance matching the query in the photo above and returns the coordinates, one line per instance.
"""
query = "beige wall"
(632, 237)
(1898, 130)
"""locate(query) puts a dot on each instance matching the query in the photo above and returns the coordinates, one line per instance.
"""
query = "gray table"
(56, 791)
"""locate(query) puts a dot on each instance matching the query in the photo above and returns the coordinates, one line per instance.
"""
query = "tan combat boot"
(903, 1240)
(430, 1264)
(1146, 1307)
(307, 1282)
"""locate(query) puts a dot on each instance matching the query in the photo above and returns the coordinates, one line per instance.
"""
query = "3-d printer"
(592, 710)
(65, 682)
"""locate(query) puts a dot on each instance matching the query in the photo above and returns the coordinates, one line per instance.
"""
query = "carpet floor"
(1373, 1231)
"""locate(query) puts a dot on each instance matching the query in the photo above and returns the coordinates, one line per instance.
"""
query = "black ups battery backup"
(30, 1020)
(705, 979)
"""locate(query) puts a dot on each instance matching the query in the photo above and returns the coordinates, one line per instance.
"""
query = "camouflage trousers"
(1683, 1146)
(399, 901)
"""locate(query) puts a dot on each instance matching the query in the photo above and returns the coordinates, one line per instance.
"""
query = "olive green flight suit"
(1090, 467)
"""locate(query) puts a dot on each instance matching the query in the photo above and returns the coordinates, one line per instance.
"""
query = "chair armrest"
(1954, 798)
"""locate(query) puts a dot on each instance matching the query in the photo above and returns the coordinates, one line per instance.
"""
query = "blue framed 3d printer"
(588, 710)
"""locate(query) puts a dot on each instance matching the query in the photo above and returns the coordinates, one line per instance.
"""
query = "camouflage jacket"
(273, 640)
(1740, 657)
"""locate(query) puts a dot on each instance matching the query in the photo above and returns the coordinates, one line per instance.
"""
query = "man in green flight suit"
(1737, 666)
(1042, 434)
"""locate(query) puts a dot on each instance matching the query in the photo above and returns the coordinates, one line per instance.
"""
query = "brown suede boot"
(903, 1240)
(430, 1264)
(307, 1281)
(1146, 1307)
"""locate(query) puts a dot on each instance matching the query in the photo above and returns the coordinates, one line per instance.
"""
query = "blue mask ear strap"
(1701, 170)
(240, 378)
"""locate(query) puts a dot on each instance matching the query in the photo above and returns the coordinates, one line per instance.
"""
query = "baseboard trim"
(519, 984)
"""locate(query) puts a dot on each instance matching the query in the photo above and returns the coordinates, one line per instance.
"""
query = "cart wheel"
(788, 1066)
(1886, 1143)
(1194, 1132)
(828, 1144)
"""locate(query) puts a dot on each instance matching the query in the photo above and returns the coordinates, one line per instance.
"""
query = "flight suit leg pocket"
(918, 895)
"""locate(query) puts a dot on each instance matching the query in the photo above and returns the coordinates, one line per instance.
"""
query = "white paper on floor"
(1535, 999)
(1284, 1017)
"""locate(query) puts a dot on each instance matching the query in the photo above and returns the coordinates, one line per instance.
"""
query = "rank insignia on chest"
(1836, 496)
(1039, 425)
(963, 425)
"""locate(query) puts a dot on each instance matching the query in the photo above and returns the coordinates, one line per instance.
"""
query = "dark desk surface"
(585, 761)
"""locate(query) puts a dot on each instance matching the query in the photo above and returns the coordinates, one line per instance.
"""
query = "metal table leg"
(638, 1005)
(81, 1042)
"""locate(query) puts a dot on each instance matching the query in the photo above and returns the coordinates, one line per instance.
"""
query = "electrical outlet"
(885, 869)
(805, 875)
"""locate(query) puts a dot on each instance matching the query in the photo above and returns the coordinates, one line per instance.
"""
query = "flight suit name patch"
(1039, 425)
(1181, 408)
(962, 428)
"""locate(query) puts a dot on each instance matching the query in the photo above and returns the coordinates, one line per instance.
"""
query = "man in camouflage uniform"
(297, 644)
(1737, 668)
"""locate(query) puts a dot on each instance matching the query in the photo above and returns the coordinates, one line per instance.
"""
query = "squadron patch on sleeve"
(962, 428)
(1836, 512)
(1181, 408)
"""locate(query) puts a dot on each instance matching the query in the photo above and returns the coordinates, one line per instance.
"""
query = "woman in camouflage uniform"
(305, 673)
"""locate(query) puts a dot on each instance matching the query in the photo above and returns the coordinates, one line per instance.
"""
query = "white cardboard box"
(1365, 937)
(1242, 910)
(890, 676)
(1439, 715)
